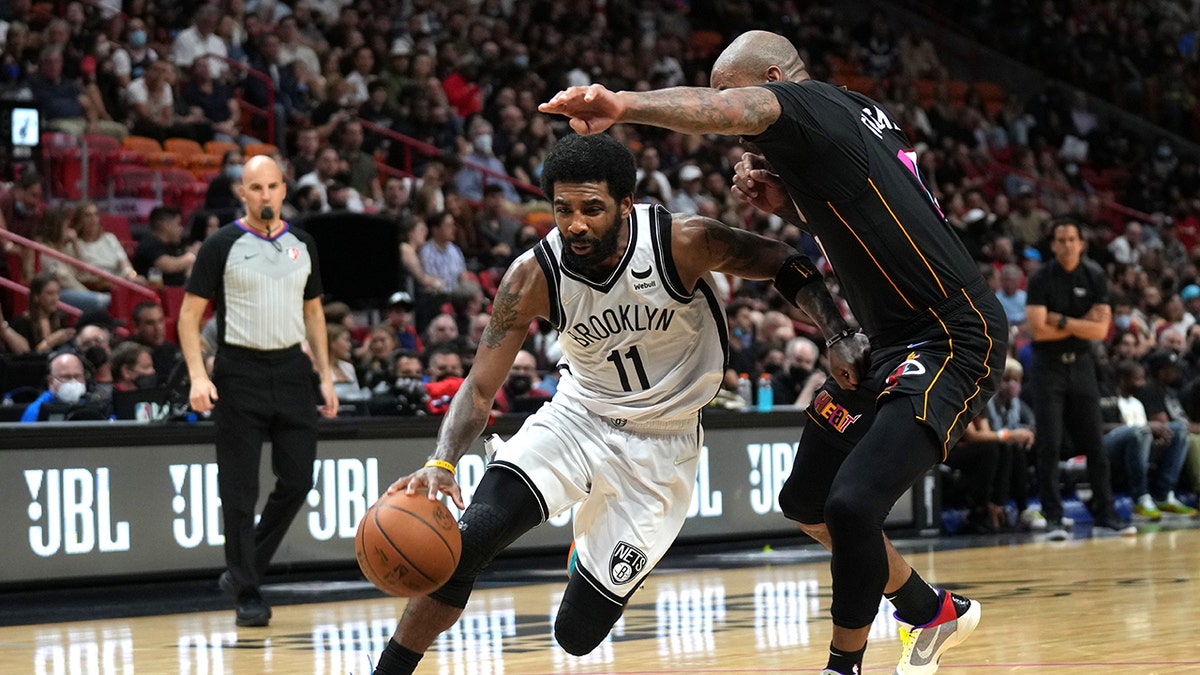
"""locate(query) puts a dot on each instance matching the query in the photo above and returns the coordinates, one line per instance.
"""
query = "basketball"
(407, 545)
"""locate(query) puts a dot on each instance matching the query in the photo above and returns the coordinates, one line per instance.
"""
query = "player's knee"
(502, 510)
(846, 510)
(585, 618)
(796, 507)
(482, 527)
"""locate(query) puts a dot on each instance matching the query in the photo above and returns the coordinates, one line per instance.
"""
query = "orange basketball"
(407, 545)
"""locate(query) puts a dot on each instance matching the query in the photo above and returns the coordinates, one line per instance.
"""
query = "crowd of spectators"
(462, 80)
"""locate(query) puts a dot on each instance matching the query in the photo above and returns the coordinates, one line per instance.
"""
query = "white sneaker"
(1033, 519)
(924, 645)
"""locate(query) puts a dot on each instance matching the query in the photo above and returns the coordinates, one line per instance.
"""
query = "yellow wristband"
(441, 464)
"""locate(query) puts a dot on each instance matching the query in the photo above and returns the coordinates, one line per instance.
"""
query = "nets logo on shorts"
(626, 562)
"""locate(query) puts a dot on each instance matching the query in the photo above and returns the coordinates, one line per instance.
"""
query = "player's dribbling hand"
(435, 481)
(757, 185)
(849, 359)
(203, 395)
(592, 109)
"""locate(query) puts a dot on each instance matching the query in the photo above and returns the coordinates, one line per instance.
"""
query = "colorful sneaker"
(1173, 505)
(1032, 519)
(572, 560)
(924, 645)
(1146, 508)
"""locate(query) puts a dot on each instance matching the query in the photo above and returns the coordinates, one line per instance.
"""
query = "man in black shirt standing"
(1066, 309)
(264, 279)
(835, 164)
(162, 249)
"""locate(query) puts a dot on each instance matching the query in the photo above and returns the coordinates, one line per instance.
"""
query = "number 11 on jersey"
(633, 356)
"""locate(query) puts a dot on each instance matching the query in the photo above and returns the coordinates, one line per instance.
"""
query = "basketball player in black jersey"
(934, 338)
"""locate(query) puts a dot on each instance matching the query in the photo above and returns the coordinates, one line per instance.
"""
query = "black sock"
(916, 601)
(397, 660)
(847, 663)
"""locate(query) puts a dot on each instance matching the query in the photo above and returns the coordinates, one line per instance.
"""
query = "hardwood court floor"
(1110, 605)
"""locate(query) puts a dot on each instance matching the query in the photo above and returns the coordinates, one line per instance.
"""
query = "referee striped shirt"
(258, 285)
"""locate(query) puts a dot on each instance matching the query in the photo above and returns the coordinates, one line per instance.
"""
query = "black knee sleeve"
(585, 616)
(818, 458)
(502, 509)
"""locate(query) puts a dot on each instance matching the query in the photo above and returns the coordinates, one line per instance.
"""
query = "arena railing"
(22, 290)
(123, 290)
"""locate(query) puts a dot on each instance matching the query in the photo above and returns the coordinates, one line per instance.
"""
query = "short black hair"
(590, 159)
(161, 215)
(1065, 221)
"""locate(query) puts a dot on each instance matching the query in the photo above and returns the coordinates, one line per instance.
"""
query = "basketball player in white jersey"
(644, 340)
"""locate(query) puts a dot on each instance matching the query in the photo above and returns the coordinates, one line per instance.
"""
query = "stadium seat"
(63, 159)
(183, 146)
(134, 181)
(205, 175)
(219, 148)
(255, 149)
(150, 150)
(181, 188)
(190, 155)
(172, 299)
(118, 224)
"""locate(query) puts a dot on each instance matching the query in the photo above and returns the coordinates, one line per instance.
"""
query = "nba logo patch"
(294, 253)
(626, 562)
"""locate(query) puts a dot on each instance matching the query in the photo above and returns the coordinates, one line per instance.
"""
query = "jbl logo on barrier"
(71, 512)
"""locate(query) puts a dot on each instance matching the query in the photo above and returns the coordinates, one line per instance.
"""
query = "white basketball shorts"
(633, 483)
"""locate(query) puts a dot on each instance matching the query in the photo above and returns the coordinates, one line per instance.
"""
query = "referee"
(1067, 308)
(262, 276)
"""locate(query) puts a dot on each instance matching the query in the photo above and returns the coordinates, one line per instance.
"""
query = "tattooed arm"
(523, 296)
(700, 245)
(689, 110)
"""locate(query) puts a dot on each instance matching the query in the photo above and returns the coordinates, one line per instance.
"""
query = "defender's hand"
(757, 185)
(592, 109)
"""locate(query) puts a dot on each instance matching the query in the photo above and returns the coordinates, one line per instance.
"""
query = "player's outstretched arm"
(522, 297)
(689, 110)
(701, 245)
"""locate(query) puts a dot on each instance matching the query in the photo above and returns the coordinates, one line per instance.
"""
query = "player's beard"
(603, 247)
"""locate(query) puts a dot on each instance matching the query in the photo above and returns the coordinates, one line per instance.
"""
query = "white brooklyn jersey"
(637, 345)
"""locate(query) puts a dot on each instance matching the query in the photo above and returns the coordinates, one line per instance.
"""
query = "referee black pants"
(1066, 399)
(263, 395)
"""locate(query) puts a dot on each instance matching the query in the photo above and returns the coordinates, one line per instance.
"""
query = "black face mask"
(519, 385)
(799, 375)
(95, 356)
(145, 381)
(772, 368)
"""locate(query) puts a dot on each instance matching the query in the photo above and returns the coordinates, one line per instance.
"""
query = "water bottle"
(766, 395)
(745, 389)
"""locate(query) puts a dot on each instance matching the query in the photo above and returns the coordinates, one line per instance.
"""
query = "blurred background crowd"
(416, 121)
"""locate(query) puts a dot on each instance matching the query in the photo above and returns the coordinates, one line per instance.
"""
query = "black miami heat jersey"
(852, 174)
(637, 345)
